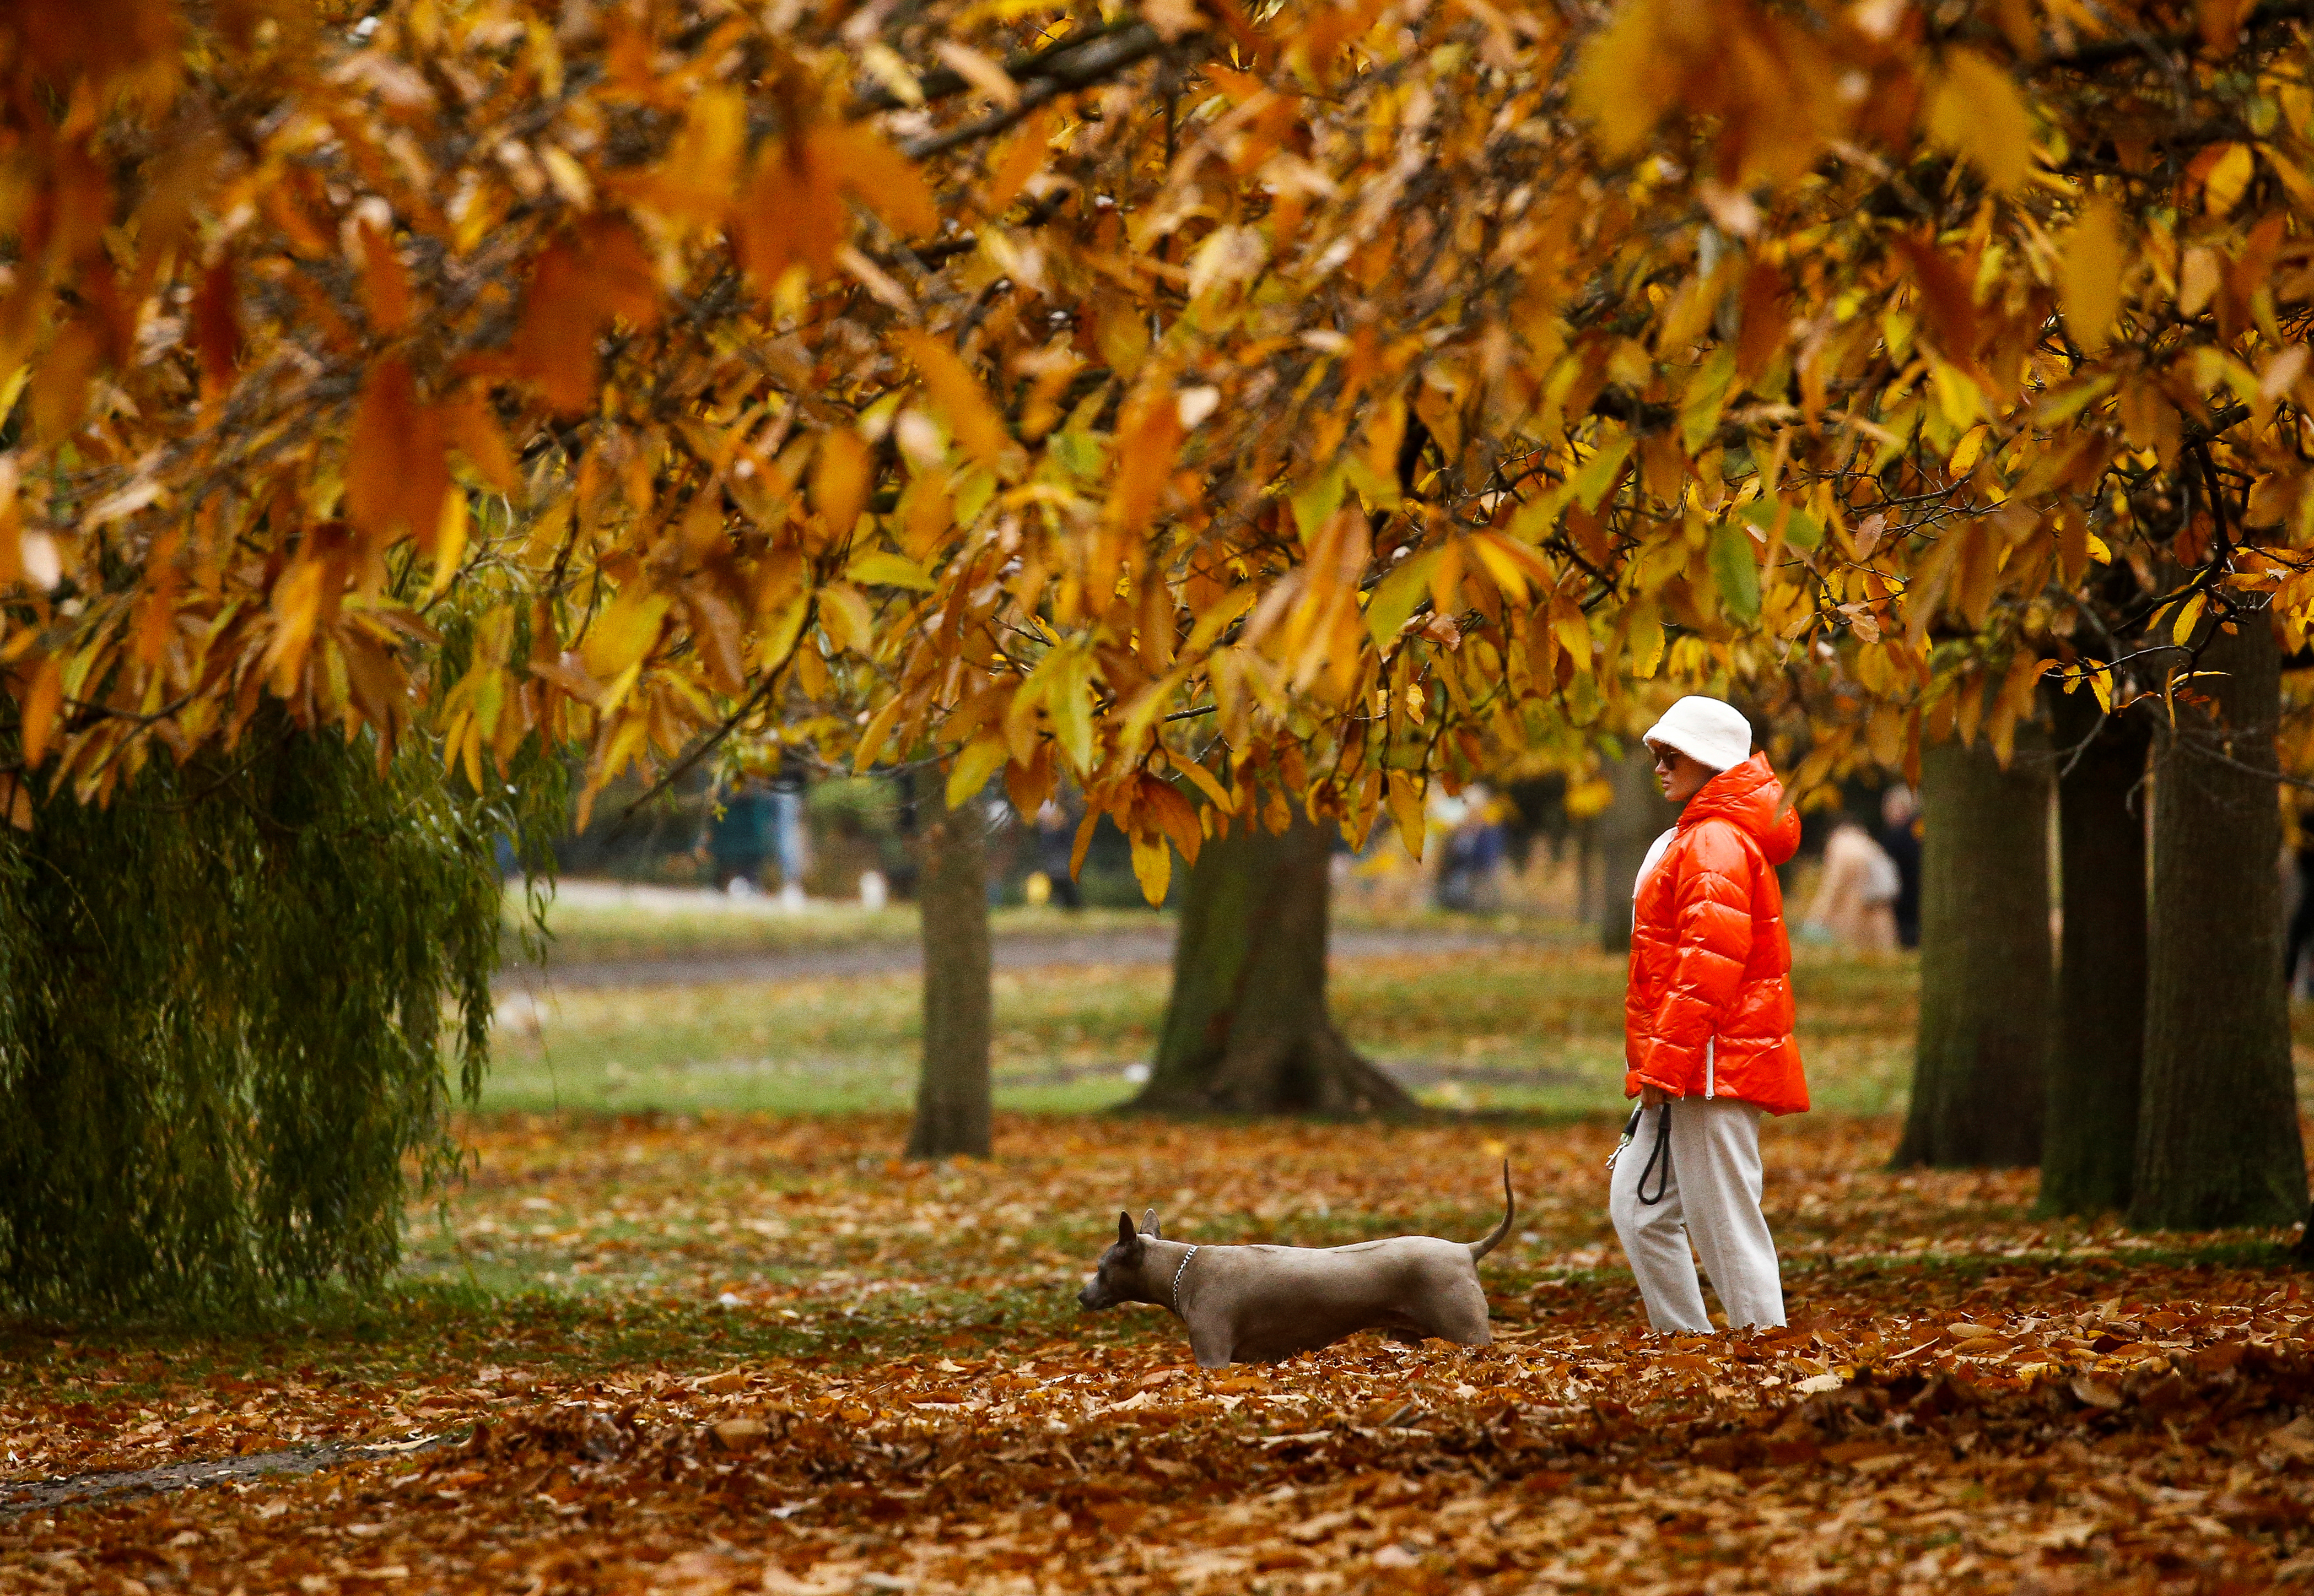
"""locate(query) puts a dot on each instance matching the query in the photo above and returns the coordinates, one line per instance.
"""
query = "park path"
(1154, 946)
(19, 1497)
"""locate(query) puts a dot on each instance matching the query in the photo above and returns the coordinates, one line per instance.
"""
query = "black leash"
(1662, 1151)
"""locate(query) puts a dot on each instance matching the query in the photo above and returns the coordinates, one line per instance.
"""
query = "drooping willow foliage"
(230, 1004)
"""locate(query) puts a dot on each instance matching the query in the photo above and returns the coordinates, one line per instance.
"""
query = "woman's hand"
(1653, 1096)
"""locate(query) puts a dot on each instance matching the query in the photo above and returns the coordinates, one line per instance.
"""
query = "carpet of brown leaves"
(769, 1358)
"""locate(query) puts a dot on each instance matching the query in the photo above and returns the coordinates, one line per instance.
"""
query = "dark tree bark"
(952, 1091)
(1628, 827)
(2097, 1042)
(2217, 1140)
(1979, 1079)
(1247, 1031)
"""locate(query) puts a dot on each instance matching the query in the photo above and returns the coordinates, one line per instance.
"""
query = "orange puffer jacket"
(1709, 1009)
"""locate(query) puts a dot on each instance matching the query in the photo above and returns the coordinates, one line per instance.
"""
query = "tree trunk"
(2217, 1139)
(1628, 827)
(1247, 1031)
(2096, 1043)
(1978, 1077)
(952, 1093)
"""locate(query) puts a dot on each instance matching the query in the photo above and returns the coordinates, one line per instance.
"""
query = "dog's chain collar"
(1184, 1269)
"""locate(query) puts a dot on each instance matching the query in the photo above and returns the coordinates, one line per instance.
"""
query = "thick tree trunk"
(1978, 1076)
(1247, 1031)
(1628, 828)
(2217, 1137)
(2096, 1043)
(952, 1093)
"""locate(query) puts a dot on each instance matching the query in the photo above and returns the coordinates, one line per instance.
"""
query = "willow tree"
(223, 1058)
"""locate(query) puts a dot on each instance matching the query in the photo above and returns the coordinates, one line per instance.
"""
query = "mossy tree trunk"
(1978, 1077)
(2096, 1041)
(1247, 1030)
(952, 1088)
(1628, 827)
(2218, 1142)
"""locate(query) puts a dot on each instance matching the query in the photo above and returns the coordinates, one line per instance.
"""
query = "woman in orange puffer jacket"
(1707, 1027)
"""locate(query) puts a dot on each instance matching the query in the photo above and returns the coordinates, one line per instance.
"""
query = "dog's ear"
(1149, 1225)
(1126, 1235)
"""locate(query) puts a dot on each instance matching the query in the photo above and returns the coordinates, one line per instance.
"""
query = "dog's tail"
(1480, 1250)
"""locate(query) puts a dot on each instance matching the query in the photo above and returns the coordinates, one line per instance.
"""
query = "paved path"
(1152, 947)
(18, 1497)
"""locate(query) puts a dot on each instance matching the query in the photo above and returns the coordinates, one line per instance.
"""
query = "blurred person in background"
(1476, 846)
(1057, 831)
(739, 836)
(788, 839)
(1855, 905)
(1900, 840)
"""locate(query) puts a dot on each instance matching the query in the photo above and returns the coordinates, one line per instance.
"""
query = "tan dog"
(1252, 1304)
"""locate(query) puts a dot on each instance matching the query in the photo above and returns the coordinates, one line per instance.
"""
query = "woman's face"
(1680, 775)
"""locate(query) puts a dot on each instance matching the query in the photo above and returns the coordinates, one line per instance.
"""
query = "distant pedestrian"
(1855, 905)
(738, 837)
(1900, 840)
(789, 845)
(1475, 849)
(1707, 1027)
(1055, 842)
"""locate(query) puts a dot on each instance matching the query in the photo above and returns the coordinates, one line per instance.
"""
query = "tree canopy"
(1248, 409)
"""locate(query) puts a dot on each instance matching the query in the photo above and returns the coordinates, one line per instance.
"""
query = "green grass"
(668, 929)
(672, 925)
(1527, 1029)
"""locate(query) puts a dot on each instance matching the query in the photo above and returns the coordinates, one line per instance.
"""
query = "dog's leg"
(1212, 1344)
(1457, 1312)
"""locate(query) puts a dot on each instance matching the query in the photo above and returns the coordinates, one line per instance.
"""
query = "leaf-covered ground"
(744, 1352)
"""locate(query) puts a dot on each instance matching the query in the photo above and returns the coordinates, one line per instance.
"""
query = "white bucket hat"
(1705, 729)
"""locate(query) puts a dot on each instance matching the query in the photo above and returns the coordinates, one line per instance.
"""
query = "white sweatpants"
(1710, 1198)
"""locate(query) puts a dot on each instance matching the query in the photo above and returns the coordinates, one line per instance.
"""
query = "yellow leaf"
(839, 478)
(1405, 809)
(1511, 563)
(2229, 180)
(1967, 452)
(1396, 595)
(1069, 701)
(877, 731)
(978, 428)
(38, 716)
(2101, 684)
(1620, 84)
(1216, 794)
(1153, 867)
(1977, 112)
(1022, 159)
(981, 759)
(845, 617)
(623, 633)
(1573, 629)
(2181, 625)
(449, 543)
(2091, 277)
(883, 569)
